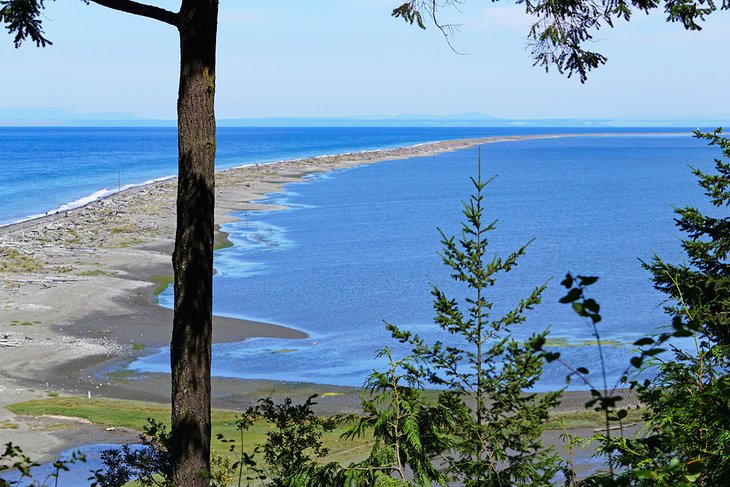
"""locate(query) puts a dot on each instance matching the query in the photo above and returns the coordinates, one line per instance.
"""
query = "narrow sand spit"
(77, 293)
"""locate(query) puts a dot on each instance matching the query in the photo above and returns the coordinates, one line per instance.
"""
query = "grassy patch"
(220, 239)
(121, 375)
(107, 412)
(161, 283)
(130, 243)
(97, 272)
(11, 260)
(8, 425)
(587, 419)
(133, 414)
(125, 228)
(138, 346)
(71, 237)
(24, 323)
(52, 394)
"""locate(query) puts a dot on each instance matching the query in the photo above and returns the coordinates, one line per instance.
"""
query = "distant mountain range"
(59, 117)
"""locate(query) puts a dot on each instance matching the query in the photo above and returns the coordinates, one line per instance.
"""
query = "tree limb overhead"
(141, 9)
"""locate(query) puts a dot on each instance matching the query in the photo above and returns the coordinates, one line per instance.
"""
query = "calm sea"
(45, 169)
(359, 246)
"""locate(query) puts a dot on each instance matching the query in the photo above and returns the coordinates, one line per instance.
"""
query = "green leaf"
(567, 282)
(551, 356)
(695, 467)
(587, 280)
(582, 370)
(645, 474)
(654, 351)
(682, 333)
(692, 477)
(644, 341)
(573, 295)
(674, 463)
(592, 305)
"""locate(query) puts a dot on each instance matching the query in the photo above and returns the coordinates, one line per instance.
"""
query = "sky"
(351, 58)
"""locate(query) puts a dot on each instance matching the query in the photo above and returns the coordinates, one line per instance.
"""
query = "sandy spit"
(77, 296)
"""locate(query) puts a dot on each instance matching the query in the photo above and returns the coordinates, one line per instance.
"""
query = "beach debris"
(4, 342)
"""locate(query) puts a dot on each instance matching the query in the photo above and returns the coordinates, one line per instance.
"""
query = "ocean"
(358, 247)
(46, 169)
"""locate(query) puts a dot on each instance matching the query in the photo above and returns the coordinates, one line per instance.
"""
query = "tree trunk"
(190, 349)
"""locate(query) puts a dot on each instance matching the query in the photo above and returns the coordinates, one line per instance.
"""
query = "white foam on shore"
(86, 200)
(105, 192)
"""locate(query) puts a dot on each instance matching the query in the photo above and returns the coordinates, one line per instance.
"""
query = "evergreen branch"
(21, 17)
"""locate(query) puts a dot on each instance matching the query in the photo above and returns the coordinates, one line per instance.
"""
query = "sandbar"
(77, 296)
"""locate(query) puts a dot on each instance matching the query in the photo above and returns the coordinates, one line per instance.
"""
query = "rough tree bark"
(190, 349)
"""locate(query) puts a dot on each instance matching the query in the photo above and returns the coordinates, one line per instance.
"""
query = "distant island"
(55, 117)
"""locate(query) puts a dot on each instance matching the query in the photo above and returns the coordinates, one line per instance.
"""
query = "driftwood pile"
(5, 341)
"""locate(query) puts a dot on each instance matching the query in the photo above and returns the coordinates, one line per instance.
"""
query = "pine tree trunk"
(190, 349)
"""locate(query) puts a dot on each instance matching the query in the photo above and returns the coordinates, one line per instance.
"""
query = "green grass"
(52, 394)
(220, 239)
(130, 243)
(134, 414)
(161, 283)
(11, 260)
(587, 419)
(125, 228)
(24, 323)
(222, 243)
(97, 272)
(138, 346)
(121, 375)
(8, 425)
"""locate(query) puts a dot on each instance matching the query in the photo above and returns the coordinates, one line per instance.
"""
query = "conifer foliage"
(688, 400)
(702, 284)
(408, 431)
(485, 377)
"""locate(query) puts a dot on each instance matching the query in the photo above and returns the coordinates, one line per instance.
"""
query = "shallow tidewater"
(359, 246)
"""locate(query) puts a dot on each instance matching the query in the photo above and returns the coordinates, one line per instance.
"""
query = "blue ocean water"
(45, 169)
(78, 473)
(359, 246)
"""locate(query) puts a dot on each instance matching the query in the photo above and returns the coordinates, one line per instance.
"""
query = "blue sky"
(350, 58)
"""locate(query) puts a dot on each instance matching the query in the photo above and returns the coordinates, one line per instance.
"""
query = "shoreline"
(106, 193)
(78, 291)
